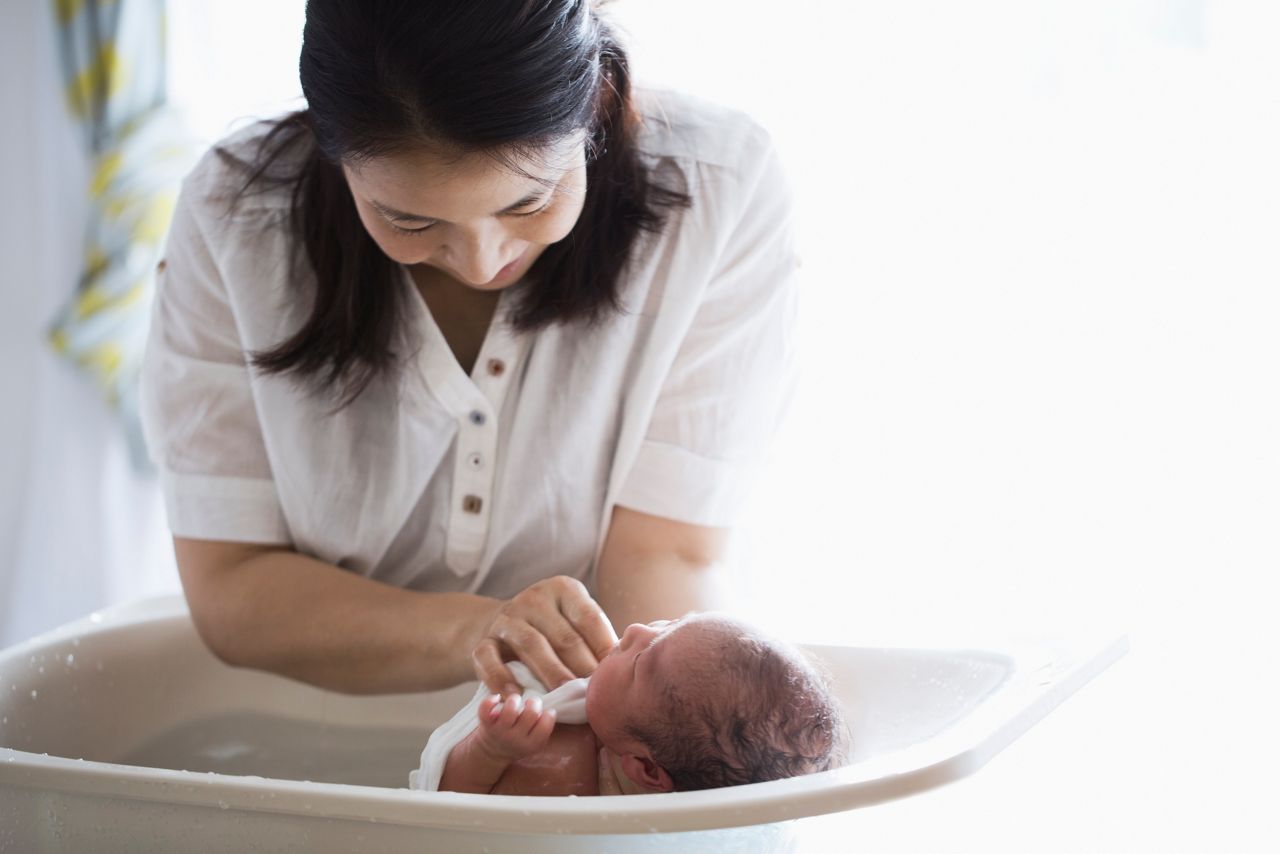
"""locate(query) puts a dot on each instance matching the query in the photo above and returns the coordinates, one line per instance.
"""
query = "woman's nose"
(478, 259)
(478, 272)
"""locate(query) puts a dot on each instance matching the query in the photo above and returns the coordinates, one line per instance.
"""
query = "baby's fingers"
(531, 716)
(488, 711)
(541, 732)
(509, 710)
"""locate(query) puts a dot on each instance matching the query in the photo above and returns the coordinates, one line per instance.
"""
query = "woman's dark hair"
(501, 77)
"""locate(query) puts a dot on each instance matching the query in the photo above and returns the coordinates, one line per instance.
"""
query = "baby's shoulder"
(566, 766)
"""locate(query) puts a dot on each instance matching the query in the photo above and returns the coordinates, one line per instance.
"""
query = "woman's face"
(470, 217)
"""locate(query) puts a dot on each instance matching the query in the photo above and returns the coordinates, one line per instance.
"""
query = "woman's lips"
(510, 268)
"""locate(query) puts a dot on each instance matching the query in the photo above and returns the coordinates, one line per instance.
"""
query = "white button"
(477, 418)
(475, 461)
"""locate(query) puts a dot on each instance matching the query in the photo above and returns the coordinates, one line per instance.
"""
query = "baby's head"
(707, 701)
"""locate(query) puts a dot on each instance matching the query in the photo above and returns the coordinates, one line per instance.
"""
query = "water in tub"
(284, 749)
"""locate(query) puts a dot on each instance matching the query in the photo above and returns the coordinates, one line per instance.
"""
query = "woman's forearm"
(289, 614)
(653, 568)
(660, 587)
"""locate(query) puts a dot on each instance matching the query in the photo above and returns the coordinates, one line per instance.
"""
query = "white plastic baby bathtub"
(121, 732)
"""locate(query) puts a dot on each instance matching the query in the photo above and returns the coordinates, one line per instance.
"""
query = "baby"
(698, 703)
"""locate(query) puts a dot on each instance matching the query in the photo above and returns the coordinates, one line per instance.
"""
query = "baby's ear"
(646, 773)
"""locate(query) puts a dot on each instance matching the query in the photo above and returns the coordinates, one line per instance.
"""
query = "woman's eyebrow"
(392, 213)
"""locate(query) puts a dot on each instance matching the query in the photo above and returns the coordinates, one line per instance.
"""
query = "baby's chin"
(597, 713)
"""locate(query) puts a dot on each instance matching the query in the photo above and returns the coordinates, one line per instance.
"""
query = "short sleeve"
(734, 373)
(197, 404)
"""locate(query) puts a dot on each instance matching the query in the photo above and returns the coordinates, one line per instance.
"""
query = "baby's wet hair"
(750, 711)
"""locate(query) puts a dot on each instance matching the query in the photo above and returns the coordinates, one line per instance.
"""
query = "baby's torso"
(568, 765)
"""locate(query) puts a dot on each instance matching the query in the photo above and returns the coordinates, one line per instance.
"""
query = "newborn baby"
(698, 703)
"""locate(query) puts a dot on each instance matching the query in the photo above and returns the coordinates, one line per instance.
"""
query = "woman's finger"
(554, 627)
(536, 652)
(568, 644)
(588, 620)
(491, 669)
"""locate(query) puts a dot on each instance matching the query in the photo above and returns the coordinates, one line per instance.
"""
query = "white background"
(1040, 274)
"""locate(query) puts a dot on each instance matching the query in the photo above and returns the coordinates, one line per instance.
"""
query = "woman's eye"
(542, 208)
(411, 230)
(402, 230)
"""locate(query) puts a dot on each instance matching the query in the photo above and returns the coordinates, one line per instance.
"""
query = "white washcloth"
(569, 701)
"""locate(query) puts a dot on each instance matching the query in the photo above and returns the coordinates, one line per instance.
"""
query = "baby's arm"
(508, 730)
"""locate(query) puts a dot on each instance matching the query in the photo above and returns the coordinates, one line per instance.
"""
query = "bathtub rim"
(1042, 675)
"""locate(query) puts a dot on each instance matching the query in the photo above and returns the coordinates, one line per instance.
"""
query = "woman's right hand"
(553, 626)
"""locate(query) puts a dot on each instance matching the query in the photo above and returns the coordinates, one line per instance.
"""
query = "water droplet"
(34, 693)
(71, 659)
(222, 805)
(95, 617)
(41, 669)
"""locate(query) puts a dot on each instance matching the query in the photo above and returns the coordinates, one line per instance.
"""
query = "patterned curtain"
(113, 57)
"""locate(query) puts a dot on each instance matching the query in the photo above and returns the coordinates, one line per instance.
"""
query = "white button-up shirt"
(434, 479)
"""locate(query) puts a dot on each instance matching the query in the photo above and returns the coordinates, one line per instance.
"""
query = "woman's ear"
(646, 773)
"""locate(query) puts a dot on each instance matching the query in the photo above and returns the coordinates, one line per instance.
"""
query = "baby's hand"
(513, 728)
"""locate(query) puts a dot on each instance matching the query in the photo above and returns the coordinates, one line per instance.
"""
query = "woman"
(478, 336)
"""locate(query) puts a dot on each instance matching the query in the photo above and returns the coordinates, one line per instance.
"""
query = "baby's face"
(630, 683)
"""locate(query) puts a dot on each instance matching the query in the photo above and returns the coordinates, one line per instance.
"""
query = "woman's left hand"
(553, 626)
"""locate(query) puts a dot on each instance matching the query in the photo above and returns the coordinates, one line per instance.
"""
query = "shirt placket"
(475, 463)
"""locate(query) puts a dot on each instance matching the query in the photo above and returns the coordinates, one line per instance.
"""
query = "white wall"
(1041, 379)
(20, 293)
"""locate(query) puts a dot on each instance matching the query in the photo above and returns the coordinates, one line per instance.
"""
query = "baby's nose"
(633, 631)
